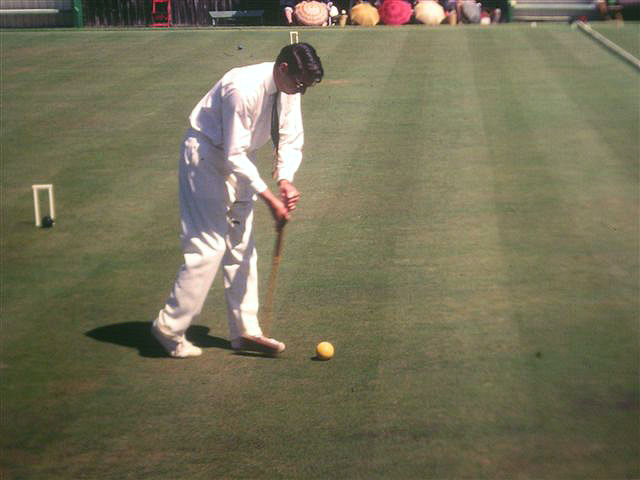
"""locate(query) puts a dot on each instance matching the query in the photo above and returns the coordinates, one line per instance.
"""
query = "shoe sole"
(255, 344)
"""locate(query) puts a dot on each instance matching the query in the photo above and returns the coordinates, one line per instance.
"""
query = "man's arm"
(237, 139)
(291, 138)
(289, 150)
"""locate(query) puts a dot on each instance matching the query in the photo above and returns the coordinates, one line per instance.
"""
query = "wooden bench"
(10, 11)
(551, 10)
(29, 11)
(217, 15)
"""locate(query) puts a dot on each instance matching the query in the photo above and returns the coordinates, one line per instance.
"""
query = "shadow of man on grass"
(138, 335)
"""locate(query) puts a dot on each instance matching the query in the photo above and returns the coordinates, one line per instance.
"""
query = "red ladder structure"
(161, 13)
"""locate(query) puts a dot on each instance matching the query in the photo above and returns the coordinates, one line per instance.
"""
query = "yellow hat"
(365, 14)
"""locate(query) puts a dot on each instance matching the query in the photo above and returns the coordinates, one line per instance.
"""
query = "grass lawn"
(467, 239)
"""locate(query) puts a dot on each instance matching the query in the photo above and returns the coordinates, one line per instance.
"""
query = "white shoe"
(259, 344)
(186, 349)
(182, 348)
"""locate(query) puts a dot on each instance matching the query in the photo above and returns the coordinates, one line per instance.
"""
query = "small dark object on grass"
(538, 354)
(240, 47)
(47, 221)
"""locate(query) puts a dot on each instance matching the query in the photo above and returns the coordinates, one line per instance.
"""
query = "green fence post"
(77, 14)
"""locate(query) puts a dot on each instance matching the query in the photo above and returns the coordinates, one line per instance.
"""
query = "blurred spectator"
(470, 11)
(313, 12)
(334, 14)
(287, 7)
(429, 12)
(364, 14)
(288, 10)
(395, 12)
(606, 8)
(450, 11)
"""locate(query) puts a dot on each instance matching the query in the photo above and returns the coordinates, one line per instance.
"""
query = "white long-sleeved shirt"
(236, 116)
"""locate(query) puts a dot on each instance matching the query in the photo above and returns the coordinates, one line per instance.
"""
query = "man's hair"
(302, 59)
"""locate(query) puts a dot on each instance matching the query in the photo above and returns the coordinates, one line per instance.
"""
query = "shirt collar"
(270, 84)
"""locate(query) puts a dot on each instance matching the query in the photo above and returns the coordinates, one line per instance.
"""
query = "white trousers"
(217, 217)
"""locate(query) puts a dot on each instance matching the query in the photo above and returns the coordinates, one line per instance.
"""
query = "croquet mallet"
(271, 286)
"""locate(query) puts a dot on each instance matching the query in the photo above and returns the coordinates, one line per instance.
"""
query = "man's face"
(294, 83)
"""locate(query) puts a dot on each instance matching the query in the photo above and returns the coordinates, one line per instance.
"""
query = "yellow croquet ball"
(324, 350)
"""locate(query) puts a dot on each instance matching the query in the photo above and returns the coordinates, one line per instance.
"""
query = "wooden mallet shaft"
(271, 286)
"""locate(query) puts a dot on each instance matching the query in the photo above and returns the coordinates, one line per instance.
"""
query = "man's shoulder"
(247, 84)
(255, 73)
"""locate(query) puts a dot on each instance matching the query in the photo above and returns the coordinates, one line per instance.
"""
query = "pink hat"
(395, 12)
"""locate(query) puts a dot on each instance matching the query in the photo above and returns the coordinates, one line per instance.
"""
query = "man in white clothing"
(218, 185)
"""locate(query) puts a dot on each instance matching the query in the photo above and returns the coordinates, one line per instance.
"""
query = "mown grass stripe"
(550, 290)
